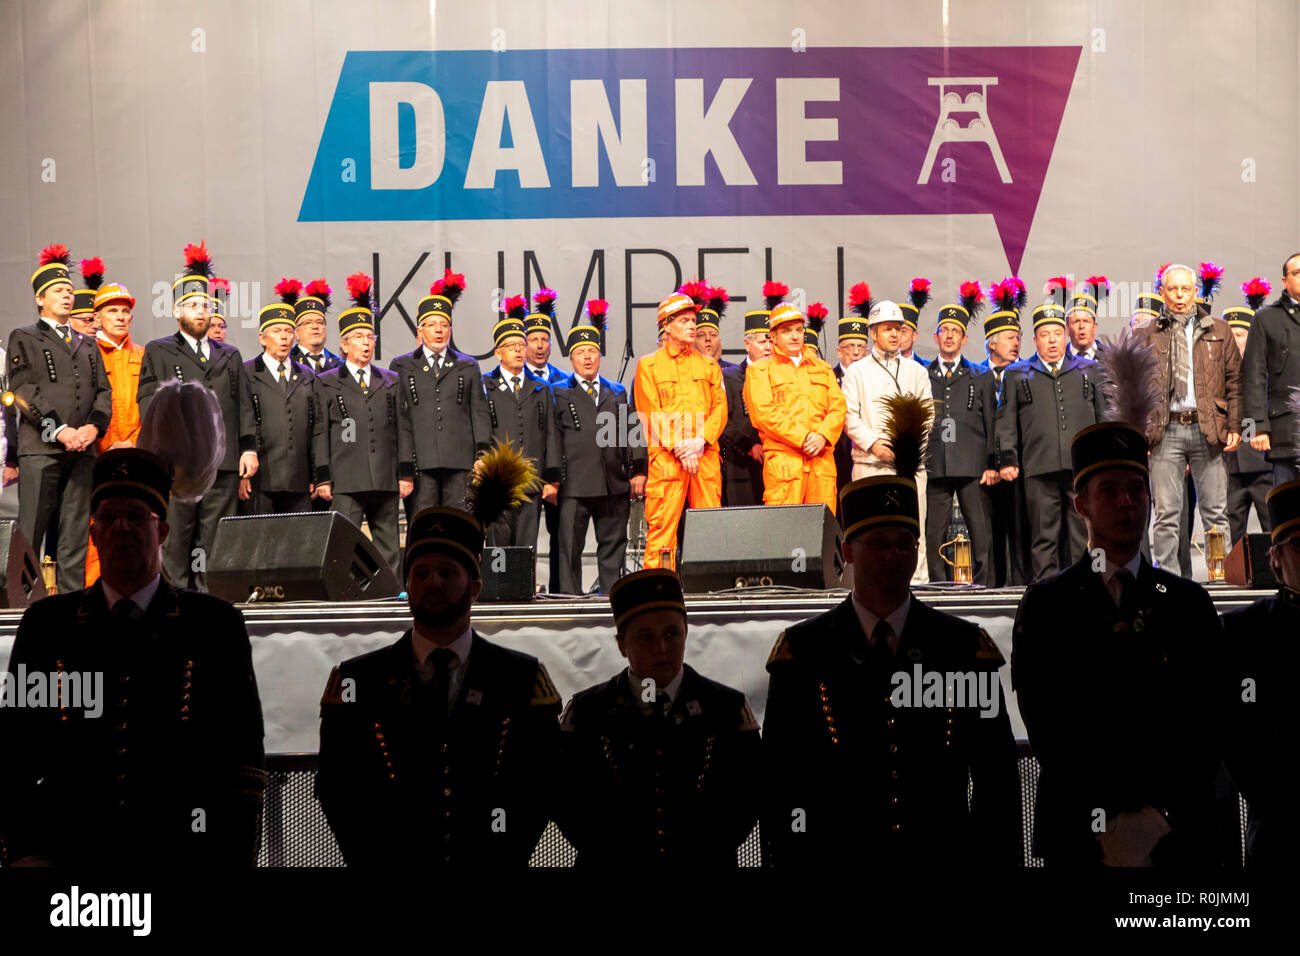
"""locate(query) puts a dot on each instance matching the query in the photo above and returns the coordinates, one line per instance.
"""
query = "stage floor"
(731, 635)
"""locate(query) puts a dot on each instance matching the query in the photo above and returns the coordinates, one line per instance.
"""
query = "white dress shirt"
(200, 345)
(140, 598)
(273, 366)
(897, 619)
(670, 691)
(353, 369)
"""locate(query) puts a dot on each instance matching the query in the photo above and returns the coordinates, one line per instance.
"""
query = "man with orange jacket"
(682, 409)
(122, 357)
(798, 409)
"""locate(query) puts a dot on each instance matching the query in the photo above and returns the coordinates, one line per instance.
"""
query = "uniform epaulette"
(747, 719)
(780, 651)
(988, 650)
(333, 689)
(544, 692)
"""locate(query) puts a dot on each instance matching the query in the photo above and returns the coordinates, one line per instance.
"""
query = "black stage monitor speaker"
(1247, 563)
(509, 574)
(794, 545)
(297, 557)
(22, 582)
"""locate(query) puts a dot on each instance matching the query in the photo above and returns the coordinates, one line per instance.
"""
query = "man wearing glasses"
(150, 752)
(357, 470)
(1268, 375)
(1198, 377)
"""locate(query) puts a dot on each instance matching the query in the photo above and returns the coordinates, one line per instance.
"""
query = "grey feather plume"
(1130, 367)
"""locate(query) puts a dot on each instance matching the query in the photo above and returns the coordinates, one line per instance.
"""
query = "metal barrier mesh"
(296, 833)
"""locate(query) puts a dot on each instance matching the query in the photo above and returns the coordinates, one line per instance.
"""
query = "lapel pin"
(1161, 588)
(474, 697)
(693, 708)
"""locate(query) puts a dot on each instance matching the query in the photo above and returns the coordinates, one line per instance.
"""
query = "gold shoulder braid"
(544, 692)
(988, 650)
(780, 651)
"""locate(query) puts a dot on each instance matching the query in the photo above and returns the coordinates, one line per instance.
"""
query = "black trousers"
(58, 483)
(552, 514)
(379, 508)
(974, 508)
(437, 488)
(1009, 520)
(1050, 499)
(275, 502)
(1243, 491)
(193, 527)
(610, 512)
(517, 528)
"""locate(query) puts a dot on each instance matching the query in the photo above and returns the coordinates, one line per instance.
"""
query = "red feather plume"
(919, 292)
(718, 299)
(697, 289)
(773, 293)
(596, 311)
(860, 298)
(1256, 291)
(288, 290)
(1056, 284)
(972, 297)
(219, 284)
(92, 271)
(197, 259)
(319, 289)
(54, 253)
(817, 313)
(516, 307)
(359, 289)
(451, 285)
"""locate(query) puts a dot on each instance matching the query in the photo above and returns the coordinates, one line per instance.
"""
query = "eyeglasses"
(132, 516)
(1292, 544)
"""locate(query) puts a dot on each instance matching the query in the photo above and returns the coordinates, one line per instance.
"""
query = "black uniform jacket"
(854, 779)
(472, 790)
(444, 421)
(223, 373)
(598, 447)
(170, 772)
(1124, 709)
(680, 789)
(1264, 643)
(367, 460)
(59, 383)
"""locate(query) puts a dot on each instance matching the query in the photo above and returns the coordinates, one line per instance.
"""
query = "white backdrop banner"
(611, 150)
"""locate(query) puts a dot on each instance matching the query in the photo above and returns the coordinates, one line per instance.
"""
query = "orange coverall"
(678, 395)
(786, 402)
(123, 367)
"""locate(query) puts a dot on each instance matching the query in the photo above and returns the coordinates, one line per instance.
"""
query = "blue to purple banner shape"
(571, 134)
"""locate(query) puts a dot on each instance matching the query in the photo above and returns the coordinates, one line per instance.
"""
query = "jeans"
(1181, 446)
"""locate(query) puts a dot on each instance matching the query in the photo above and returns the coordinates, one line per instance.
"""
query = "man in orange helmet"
(683, 409)
(122, 358)
(798, 410)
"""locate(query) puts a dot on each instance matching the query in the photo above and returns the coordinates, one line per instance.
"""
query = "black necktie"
(361, 378)
(515, 379)
(125, 610)
(591, 389)
(947, 370)
(64, 334)
(1121, 584)
(880, 636)
(441, 688)
(284, 382)
(319, 362)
